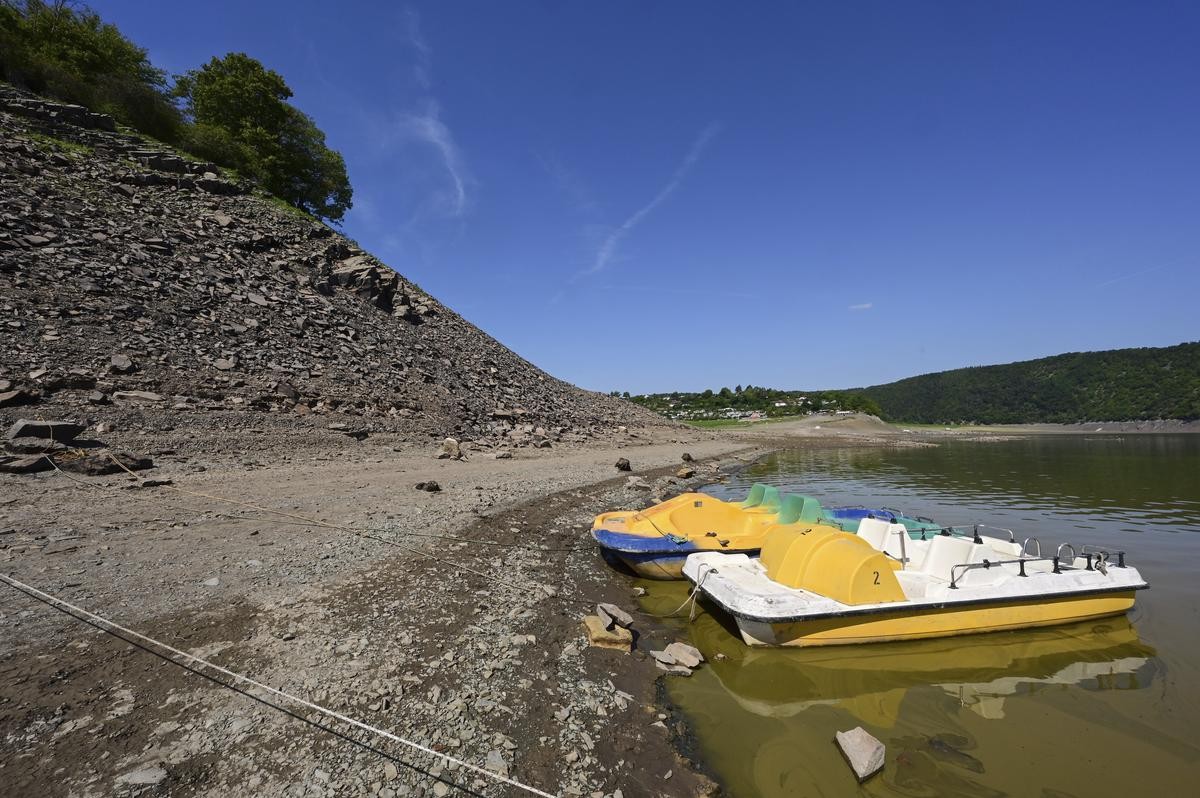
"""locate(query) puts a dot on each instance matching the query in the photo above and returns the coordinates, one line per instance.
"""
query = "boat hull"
(922, 623)
(664, 565)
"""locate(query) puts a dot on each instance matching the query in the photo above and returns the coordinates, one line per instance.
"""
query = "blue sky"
(680, 195)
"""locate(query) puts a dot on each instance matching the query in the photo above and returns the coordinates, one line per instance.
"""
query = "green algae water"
(1109, 708)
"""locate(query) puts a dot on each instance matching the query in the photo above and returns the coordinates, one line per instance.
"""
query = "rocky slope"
(136, 282)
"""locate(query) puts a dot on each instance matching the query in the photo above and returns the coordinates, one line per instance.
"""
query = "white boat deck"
(741, 586)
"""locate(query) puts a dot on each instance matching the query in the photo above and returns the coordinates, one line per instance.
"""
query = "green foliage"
(242, 110)
(236, 111)
(54, 49)
(1117, 385)
(218, 145)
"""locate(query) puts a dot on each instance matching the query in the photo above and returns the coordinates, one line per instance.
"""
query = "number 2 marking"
(876, 577)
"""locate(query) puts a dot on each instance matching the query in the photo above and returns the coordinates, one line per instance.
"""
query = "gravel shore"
(472, 646)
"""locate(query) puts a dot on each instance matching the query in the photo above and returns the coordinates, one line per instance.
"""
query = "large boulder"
(61, 431)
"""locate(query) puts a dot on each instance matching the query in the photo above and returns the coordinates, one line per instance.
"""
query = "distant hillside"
(750, 401)
(1117, 385)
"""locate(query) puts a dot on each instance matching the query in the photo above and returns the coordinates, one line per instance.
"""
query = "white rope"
(704, 570)
(237, 677)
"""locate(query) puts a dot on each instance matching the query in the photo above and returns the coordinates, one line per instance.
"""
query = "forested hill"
(1116, 385)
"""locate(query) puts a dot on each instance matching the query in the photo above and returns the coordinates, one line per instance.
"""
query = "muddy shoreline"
(401, 641)
(414, 638)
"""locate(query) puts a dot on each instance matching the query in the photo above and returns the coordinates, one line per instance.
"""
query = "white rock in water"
(663, 657)
(681, 670)
(864, 753)
(684, 654)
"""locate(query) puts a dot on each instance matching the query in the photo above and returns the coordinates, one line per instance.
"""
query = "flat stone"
(35, 446)
(430, 487)
(24, 465)
(685, 473)
(215, 581)
(863, 752)
(663, 657)
(678, 670)
(612, 615)
(62, 431)
(495, 763)
(16, 398)
(136, 396)
(684, 654)
(222, 364)
(617, 638)
(144, 776)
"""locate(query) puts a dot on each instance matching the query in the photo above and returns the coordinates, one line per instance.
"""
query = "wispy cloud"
(422, 53)
(427, 127)
(608, 247)
(863, 306)
(1131, 275)
(414, 134)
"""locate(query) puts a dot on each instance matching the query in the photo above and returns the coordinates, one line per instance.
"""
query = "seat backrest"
(811, 513)
(790, 509)
(795, 507)
(894, 547)
(1009, 549)
(874, 531)
(755, 496)
(770, 499)
(946, 551)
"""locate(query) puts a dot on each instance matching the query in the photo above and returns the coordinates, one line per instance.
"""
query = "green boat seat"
(755, 496)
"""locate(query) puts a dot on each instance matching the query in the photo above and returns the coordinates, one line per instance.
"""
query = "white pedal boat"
(815, 587)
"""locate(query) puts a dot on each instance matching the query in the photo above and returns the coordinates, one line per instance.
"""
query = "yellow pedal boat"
(819, 587)
(655, 542)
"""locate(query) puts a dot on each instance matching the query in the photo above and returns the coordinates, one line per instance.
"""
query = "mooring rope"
(112, 628)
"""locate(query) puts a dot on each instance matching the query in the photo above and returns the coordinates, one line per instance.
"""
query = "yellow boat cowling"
(831, 563)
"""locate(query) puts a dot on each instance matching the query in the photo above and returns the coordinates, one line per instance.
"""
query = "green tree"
(242, 117)
(72, 54)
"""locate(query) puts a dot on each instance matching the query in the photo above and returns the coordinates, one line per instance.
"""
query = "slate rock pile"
(133, 278)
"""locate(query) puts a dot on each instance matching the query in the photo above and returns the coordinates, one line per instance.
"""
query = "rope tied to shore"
(113, 628)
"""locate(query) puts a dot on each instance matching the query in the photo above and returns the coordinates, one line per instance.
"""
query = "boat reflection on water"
(871, 681)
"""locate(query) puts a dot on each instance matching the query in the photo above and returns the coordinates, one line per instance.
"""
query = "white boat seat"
(1009, 550)
(946, 551)
(885, 537)
(874, 531)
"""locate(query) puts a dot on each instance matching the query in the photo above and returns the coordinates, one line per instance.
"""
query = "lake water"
(1109, 708)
